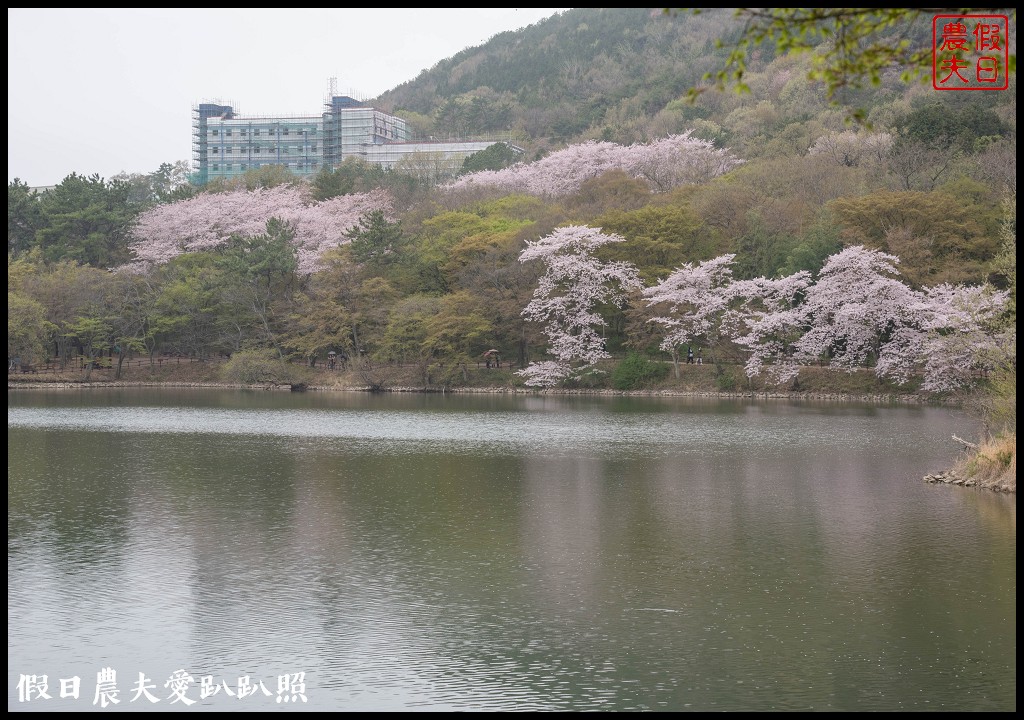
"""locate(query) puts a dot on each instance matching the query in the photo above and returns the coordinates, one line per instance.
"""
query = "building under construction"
(226, 144)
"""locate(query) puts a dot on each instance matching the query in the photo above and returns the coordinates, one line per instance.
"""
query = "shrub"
(725, 378)
(255, 367)
(637, 371)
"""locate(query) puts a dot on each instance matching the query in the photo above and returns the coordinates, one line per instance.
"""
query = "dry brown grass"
(993, 464)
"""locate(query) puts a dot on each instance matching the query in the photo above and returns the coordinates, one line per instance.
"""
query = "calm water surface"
(431, 552)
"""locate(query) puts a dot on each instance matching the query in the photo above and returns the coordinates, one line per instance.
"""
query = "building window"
(228, 132)
(256, 149)
(256, 132)
(243, 167)
(216, 167)
(227, 150)
(312, 148)
(285, 131)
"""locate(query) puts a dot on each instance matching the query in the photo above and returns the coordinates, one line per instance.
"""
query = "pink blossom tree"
(767, 322)
(857, 311)
(664, 164)
(208, 220)
(694, 299)
(951, 339)
(574, 286)
(856, 305)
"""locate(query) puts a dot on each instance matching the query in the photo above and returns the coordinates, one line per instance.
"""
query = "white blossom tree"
(854, 307)
(951, 339)
(858, 311)
(767, 322)
(694, 299)
(573, 288)
(208, 220)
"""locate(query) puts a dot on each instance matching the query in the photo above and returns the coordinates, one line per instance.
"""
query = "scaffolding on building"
(226, 144)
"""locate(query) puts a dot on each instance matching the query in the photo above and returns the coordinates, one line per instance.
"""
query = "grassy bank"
(993, 464)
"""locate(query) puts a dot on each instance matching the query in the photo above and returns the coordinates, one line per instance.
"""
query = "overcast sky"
(107, 90)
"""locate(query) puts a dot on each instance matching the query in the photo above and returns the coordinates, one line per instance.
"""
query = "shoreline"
(882, 399)
(947, 477)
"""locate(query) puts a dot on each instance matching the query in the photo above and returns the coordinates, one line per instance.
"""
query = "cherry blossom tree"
(767, 322)
(678, 160)
(952, 338)
(856, 305)
(666, 163)
(574, 286)
(208, 220)
(857, 311)
(694, 299)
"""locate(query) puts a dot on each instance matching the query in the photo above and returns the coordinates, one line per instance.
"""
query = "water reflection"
(426, 552)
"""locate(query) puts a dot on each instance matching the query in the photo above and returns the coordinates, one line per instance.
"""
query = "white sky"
(103, 90)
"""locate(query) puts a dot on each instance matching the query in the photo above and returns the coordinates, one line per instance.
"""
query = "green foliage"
(405, 338)
(495, 157)
(24, 217)
(259, 280)
(267, 256)
(458, 331)
(27, 328)
(609, 192)
(353, 175)
(760, 251)
(591, 379)
(169, 183)
(810, 250)
(856, 45)
(851, 48)
(377, 241)
(950, 123)
(318, 324)
(728, 379)
(659, 238)
(188, 312)
(1000, 403)
(936, 235)
(87, 220)
(637, 372)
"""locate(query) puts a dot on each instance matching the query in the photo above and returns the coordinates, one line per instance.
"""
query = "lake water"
(490, 552)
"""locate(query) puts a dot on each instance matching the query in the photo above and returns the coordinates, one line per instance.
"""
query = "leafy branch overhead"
(852, 46)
